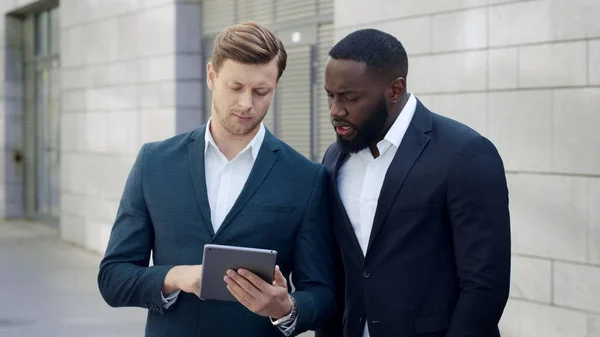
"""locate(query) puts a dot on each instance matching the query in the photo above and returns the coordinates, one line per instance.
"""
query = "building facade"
(83, 84)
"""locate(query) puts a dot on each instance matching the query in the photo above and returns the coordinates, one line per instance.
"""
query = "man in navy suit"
(229, 182)
(420, 204)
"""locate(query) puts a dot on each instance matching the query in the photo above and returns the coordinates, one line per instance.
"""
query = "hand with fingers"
(184, 278)
(260, 297)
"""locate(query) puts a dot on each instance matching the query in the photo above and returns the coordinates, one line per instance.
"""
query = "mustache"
(338, 122)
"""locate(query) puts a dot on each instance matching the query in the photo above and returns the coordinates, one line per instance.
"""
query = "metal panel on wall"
(218, 14)
(294, 9)
(326, 134)
(260, 11)
(326, 7)
(294, 100)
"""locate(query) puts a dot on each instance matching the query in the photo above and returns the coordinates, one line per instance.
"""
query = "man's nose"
(335, 110)
(245, 101)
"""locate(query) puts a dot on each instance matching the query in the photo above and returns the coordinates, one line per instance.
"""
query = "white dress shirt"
(225, 179)
(361, 178)
(224, 182)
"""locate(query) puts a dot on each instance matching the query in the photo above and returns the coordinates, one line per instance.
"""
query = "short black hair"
(380, 51)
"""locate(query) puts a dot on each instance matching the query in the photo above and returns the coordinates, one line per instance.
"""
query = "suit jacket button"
(367, 274)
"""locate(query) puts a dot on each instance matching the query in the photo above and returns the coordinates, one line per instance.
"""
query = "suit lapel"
(197, 172)
(340, 159)
(413, 143)
(263, 164)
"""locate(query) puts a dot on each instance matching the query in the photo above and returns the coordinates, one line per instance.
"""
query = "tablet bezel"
(219, 258)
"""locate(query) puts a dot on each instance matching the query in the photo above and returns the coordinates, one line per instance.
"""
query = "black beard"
(368, 132)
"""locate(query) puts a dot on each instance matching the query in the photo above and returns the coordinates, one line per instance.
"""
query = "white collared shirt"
(224, 182)
(226, 179)
(361, 178)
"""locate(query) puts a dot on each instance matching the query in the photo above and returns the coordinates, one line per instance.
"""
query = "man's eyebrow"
(261, 85)
(341, 92)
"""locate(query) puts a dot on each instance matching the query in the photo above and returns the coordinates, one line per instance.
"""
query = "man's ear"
(211, 76)
(398, 88)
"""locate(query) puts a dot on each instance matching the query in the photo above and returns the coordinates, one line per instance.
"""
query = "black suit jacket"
(438, 259)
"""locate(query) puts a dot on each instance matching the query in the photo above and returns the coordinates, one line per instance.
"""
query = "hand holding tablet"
(247, 275)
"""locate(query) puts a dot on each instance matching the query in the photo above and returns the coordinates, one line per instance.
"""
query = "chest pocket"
(265, 224)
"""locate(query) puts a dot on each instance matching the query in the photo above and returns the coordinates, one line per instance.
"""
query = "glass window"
(41, 33)
(54, 31)
(47, 32)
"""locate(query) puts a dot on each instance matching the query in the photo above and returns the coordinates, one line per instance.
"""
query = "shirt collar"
(398, 129)
(254, 144)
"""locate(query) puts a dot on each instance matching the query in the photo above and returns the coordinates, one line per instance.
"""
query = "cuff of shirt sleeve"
(288, 327)
(169, 300)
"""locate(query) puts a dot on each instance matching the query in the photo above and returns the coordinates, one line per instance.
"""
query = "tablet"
(219, 258)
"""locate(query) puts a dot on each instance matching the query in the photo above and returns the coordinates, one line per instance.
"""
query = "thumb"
(279, 278)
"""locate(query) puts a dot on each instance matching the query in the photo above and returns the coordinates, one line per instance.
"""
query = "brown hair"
(249, 43)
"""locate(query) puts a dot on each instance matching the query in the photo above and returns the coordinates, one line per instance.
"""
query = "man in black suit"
(420, 204)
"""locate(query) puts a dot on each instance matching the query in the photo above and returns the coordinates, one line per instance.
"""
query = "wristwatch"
(290, 317)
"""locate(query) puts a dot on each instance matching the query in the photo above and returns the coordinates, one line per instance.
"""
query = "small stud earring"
(394, 102)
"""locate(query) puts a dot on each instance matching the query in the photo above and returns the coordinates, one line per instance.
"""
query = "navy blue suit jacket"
(438, 258)
(164, 210)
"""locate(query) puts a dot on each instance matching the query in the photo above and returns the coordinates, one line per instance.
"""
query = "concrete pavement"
(48, 288)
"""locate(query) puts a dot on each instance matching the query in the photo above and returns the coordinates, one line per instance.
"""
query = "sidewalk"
(48, 289)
